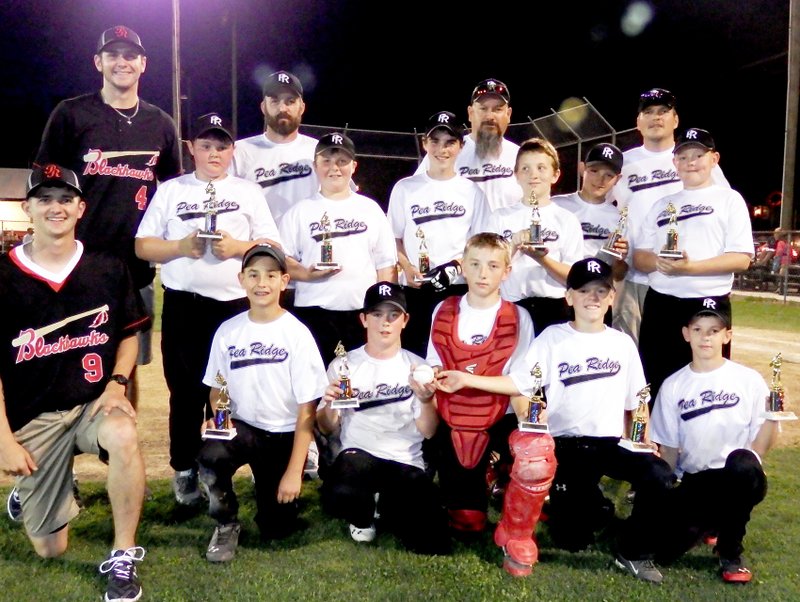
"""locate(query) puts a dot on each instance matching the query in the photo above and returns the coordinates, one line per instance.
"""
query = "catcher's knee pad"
(467, 521)
(531, 476)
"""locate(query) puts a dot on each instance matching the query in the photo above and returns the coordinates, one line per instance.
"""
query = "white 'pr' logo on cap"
(384, 290)
(709, 303)
(608, 153)
(593, 267)
(337, 139)
(283, 78)
(691, 135)
(444, 118)
(215, 120)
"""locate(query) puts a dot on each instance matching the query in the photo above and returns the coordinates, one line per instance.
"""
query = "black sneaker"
(641, 569)
(223, 544)
(123, 581)
(184, 485)
(14, 506)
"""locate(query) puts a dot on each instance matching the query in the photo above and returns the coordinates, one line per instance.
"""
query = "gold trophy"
(326, 249)
(636, 442)
(608, 247)
(775, 408)
(210, 227)
(536, 404)
(535, 230)
(346, 399)
(223, 427)
(424, 259)
(670, 250)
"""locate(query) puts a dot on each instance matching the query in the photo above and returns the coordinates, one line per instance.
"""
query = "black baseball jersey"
(59, 340)
(118, 165)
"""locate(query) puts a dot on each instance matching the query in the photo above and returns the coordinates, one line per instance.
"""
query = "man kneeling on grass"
(274, 374)
(69, 344)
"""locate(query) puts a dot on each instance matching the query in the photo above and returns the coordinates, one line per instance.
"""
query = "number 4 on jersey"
(141, 198)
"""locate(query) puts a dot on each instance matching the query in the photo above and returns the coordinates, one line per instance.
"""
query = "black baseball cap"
(696, 137)
(491, 87)
(589, 269)
(51, 175)
(656, 97)
(266, 250)
(447, 121)
(282, 81)
(211, 121)
(385, 292)
(335, 140)
(120, 33)
(605, 153)
(718, 307)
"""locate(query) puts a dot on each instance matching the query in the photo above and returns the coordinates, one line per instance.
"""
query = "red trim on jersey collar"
(56, 286)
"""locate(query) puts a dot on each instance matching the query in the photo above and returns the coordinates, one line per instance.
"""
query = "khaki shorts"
(53, 439)
(628, 304)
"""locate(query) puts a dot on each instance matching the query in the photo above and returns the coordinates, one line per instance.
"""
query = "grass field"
(322, 563)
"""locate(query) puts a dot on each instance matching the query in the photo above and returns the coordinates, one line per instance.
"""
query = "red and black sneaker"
(734, 570)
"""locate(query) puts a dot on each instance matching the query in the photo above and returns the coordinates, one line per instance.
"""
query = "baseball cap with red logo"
(491, 87)
(120, 33)
(51, 175)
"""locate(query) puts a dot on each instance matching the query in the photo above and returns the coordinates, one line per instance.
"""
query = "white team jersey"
(178, 208)
(362, 243)
(475, 326)
(284, 171)
(270, 370)
(384, 423)
(494, 176)
(646, 177)
(447, 211)
(590, 379)
(707, 415)
(562, 236)
(711, 221)
(598, 220)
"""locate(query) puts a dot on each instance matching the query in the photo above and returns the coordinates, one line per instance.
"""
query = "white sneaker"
(311, 470)
(364, 535)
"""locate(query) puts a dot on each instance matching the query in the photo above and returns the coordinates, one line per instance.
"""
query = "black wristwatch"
(119, 378)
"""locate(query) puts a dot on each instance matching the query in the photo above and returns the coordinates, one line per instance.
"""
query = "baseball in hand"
(423, 374)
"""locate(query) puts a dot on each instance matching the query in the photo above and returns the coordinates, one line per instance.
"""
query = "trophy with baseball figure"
(777, 394)
(209, 230)
(607, 252)
(424, 262)
(635, 442)
(223, 427)
(536, 404)
(326, 261)
(536, 241)
(670, 250)
(346, 399)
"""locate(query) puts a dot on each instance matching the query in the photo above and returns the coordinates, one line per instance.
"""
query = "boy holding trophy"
(380, 470)
(691, 243)
(546, 238)
(432, 214)
(709, 423)
(267, 364)
(344, 236)
(592, 377)
(197, 227)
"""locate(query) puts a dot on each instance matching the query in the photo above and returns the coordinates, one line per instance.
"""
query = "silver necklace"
(127, 118)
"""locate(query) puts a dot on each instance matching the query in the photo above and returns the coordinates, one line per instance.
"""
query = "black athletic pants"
(268, 456)
(575, 494)
(188, 324)
(329, 326)
(712, 501)
(545, 311)
(421, 303)
(408, 501)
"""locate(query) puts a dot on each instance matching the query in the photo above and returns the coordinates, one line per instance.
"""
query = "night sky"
(726, 62)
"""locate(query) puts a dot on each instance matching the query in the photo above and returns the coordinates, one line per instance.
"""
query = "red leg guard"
(467, 521)
(531, 476)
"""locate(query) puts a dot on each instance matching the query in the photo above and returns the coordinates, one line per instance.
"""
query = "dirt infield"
(752, 347)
